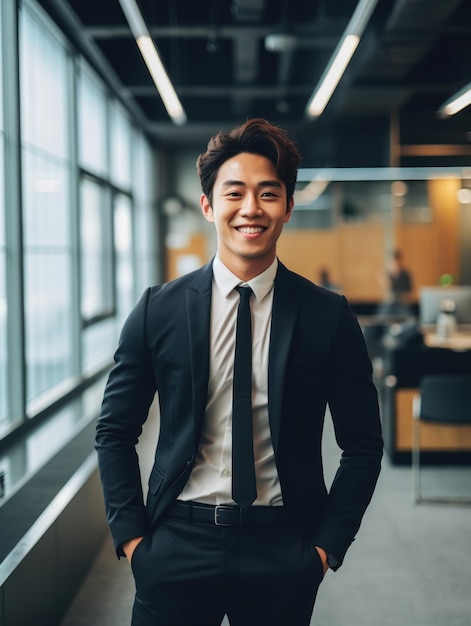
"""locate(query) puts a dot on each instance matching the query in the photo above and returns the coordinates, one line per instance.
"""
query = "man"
(398, 285)
(400, 280)
(199, 549)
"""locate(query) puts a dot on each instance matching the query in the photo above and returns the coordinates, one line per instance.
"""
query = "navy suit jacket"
(317, 357)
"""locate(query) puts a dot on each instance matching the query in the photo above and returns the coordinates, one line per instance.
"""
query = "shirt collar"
(261, 285)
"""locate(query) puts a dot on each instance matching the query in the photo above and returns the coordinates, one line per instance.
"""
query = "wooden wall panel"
(419, 244)
(446, 210)
(186, 253)
(307, 251)
(353, 254)
(361, 248)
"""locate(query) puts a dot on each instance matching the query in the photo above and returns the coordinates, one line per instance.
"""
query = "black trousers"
(195, 573)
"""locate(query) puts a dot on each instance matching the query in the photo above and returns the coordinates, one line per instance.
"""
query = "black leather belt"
(228, 515)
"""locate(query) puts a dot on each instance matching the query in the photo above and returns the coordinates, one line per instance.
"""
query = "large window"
(97, 293)
(92, 113)
(76, 178)
(146, 244)
(120, 148)
(3, 295)
(124, 255)
(3, 298)
(45, 122)
(104, 160)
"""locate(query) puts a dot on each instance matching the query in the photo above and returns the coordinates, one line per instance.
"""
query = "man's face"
(248, 209)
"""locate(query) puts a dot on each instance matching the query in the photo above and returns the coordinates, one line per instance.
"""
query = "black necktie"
(244, 488)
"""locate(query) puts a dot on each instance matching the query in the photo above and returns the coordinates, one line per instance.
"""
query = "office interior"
(99, 198)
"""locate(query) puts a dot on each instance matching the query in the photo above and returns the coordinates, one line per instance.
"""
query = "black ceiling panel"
(233, 59)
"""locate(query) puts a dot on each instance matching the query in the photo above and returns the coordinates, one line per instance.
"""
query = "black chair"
(443, 400)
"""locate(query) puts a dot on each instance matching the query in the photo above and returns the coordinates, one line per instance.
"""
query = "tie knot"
(244, 292)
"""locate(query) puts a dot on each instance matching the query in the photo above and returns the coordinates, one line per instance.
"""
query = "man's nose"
(250, 205)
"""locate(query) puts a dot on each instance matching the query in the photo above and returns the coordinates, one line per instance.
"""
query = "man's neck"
(246, 269)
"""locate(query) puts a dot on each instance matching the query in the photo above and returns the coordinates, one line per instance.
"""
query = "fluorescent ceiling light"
(161, 79)
(456, 103)
(153, 61)
(332, 75)
(341, 58)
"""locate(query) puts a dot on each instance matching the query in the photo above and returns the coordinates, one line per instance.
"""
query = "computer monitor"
(430, 300)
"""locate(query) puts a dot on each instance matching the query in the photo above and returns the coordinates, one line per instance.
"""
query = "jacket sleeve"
(353, 404)
(129, 392)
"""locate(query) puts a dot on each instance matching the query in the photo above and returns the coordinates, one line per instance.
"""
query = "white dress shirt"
(211, 478)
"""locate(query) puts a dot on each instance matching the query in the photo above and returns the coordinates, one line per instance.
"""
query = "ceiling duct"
(248, 10)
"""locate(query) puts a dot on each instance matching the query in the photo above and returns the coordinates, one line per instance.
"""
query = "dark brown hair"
(256, 136)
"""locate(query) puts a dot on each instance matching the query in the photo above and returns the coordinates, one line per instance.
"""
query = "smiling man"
(238, 520)
(250, 208)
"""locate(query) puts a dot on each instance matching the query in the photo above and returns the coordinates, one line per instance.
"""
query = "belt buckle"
(219, 512)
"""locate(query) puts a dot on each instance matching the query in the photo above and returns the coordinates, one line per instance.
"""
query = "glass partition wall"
(349, 222)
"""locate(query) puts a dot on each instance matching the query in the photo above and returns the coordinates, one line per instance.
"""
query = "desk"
(459, 341)
(404, 367)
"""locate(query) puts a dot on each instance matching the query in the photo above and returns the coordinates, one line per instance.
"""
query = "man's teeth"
(250, 230)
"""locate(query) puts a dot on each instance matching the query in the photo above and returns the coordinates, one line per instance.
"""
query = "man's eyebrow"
(263, 183)
(229, 183)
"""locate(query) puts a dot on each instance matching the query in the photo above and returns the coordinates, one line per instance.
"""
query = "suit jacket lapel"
(198, 309)
(284, 314)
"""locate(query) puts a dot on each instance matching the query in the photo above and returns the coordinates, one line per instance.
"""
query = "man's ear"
(289, 210)
(206, 208)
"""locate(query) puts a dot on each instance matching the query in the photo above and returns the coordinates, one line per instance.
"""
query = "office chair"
(445, 400)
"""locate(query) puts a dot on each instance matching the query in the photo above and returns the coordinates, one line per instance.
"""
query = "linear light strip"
(161, 80)
(459, 101)
(153, 61)
(332, 76)
(341, 58)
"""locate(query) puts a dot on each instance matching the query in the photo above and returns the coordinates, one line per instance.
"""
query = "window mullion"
(13, 202)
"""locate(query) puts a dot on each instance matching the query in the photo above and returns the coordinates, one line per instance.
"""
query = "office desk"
(403, 369)
(459, 341)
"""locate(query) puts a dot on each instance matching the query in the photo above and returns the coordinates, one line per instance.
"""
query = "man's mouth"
(250, 230)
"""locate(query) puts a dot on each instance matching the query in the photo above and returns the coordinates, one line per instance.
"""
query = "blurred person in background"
(397, 282)
(326, 281)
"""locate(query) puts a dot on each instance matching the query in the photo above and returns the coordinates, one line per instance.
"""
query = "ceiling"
(414, 54)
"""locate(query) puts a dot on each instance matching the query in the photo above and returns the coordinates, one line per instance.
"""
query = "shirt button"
(226, 472)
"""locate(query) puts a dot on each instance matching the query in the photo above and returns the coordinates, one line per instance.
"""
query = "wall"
(352, 253)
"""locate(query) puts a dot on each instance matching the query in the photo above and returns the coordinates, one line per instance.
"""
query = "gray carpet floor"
(409, 566)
